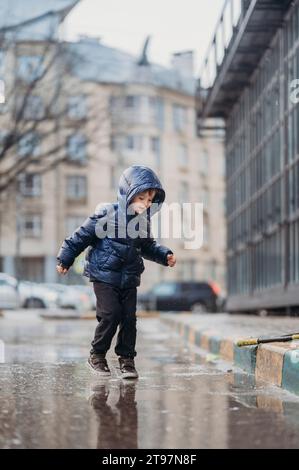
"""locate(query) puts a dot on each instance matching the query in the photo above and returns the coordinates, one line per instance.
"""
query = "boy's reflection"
(117, 424)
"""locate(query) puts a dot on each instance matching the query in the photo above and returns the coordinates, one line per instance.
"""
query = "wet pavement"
(184, 397)
(242, 326)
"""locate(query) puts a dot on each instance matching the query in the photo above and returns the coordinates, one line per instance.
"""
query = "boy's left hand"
(61, 269)
(171, 259)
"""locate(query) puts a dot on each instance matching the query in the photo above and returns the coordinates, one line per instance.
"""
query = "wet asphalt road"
(184, 398)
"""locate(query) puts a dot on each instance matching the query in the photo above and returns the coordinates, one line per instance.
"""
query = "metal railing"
(226, 28)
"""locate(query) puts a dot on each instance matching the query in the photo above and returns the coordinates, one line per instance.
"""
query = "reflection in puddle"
(117, 420)
(50, 399)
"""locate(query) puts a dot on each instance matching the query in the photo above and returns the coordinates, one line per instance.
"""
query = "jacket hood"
(135, 179)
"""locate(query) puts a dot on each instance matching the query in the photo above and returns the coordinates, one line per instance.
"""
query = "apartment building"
(111, 110)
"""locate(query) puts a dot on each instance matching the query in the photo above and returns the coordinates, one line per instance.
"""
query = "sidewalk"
(275, 363)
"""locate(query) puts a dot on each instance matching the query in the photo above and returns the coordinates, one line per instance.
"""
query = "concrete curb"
(275, 363)
(89, 315)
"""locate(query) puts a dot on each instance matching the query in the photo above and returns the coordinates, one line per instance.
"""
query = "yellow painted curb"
(88, 316)
(227, 349)
(147, 314)
(269, 403)
(269, 363)
(192, 336)
(205, 338)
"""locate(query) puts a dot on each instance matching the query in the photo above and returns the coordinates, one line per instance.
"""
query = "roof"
(251, 38)
(14, 12)
(94, 61)
(98, 62)
(33, 19)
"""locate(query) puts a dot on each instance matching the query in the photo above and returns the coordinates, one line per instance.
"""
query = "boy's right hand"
(61, 269)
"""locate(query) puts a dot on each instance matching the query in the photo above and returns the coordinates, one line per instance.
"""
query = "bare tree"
(38, 110)
(41, 118)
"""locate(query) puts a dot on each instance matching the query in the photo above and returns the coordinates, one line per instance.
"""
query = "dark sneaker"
(99, 364)
(127, 368)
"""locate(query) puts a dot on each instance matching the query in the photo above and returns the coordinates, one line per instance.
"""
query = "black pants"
(115, 307)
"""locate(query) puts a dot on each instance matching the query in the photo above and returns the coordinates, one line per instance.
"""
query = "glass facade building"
(262, 164)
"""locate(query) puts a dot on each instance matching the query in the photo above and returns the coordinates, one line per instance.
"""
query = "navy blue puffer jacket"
(117, 259)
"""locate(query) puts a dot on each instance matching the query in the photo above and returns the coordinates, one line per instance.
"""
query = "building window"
(33, 108)
(113, 102)
(179, 117)
(113, 179)
(2, 82)
(156, 149)
(77, 108)
(2, 93)
(157, 111)
(132, 102)
(29, 68)
(182, 153)
(76, 187)
(30, 184)
(183, 192)
(31, 225)
(76, 148)
(187, 270)
(204, 162)
(205, 198)
(224, 205)
(206, 231)
(3, 135)
(2, 60)
(116, 142)
(31, 268)
(222, 167)
(115, 108)
(73, 222)
(29, 145)
(135, 110)
(112, 143)
(134, 142)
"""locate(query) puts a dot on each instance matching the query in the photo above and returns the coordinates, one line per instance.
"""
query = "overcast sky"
(174, 25)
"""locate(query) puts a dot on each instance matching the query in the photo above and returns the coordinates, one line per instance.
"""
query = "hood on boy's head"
(136, 179)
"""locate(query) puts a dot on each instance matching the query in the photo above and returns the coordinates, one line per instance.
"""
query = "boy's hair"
(150, 191)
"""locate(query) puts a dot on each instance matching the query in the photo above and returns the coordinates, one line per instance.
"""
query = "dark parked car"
(178, 296)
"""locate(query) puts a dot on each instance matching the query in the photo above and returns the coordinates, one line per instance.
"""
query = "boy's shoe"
(99, 364)
(98, 397)
(127, 368)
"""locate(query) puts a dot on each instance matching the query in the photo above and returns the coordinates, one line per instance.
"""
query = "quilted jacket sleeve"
(72, 246)
(153, 251)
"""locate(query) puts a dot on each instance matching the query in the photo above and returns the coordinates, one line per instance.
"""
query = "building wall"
(191, 170)
(262, 153)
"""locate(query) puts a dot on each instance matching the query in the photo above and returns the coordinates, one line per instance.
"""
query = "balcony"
(243, 33)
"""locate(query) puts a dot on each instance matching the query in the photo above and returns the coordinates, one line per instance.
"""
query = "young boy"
(114, 263)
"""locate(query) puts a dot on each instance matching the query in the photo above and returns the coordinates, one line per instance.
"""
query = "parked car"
(90, 292)
(9, 295)
(177, 296)
(36, 295)
(72, 296)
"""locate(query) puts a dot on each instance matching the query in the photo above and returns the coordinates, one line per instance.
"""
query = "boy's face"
(142, 201)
